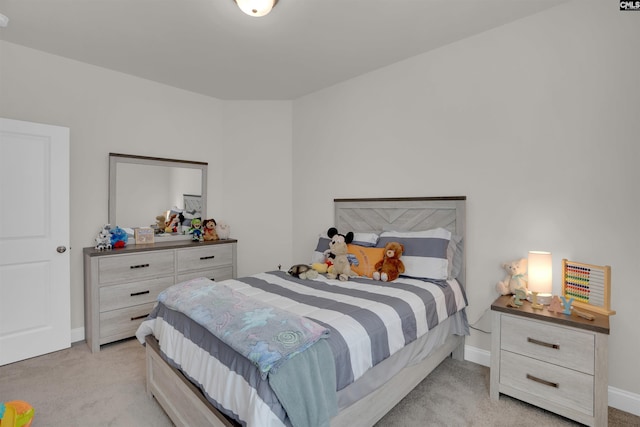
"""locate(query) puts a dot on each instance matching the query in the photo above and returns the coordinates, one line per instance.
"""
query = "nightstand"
(554, 361)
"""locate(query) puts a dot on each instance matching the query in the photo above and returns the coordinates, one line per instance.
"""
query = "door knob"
(61, 249)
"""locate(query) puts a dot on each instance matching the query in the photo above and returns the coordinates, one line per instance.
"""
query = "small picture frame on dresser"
(143, 235)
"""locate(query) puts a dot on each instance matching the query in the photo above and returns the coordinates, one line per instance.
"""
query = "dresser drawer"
(553, 383)
(207, 257)
(217, 274)
(565, 347)
(113, 269)
(122, 323)
(130, 294)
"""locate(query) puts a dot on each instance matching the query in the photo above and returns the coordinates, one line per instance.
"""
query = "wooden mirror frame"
(117, 158)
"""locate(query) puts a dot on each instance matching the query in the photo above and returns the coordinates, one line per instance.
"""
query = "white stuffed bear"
(516, 277)
(223, 230)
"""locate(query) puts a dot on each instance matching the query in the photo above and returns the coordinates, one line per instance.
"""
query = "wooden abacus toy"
(589, 285)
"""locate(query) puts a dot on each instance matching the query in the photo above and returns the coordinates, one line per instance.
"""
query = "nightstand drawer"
(217, 274)
(138, 266)
(122, 323)
(565, 347)
(130, 294)
(547, 381)
(207, 257)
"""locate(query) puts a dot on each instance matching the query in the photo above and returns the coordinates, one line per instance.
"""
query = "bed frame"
(186, 405)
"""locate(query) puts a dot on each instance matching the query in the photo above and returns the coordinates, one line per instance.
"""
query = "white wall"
(257, 182)
(113, 112)
(535, 122)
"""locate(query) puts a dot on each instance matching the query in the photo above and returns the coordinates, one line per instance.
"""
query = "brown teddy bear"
(391, 267)
(209, 229)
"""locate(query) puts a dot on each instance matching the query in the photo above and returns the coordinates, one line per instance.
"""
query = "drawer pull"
(541, 381)
(140, 266)
(542, 343)
(207, 257)
(135, 294)
(139, 317)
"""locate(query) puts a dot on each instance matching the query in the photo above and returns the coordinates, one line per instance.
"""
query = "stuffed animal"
(196, 230)
(390, 267)
(338, 250)
(161, 223)
(322, 267)
(16, 413)
(516, 277)
(119, 238)
(302, 271)
(171, 226)
(103, 241)
(223, 229)
(209, 229)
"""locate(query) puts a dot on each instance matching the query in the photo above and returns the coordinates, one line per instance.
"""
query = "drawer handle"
(135, 294)
(541, 381)
(139, 317)
(542, 343)
(207, 257)
(140, 266)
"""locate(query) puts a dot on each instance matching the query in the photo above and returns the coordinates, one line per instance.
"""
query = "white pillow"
(429, 254)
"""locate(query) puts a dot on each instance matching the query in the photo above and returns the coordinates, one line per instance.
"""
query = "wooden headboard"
(403, 214)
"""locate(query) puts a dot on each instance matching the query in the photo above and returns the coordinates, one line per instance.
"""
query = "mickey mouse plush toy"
(341, 268)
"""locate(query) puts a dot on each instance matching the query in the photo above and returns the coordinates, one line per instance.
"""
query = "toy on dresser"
(196, 230)
(161, 223)
(103, 241)
(516, 277)
(223, 229)
(119, 238)
(209, 230)
(172, 225)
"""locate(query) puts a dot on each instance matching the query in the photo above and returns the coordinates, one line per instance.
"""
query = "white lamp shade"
(539, 272)
(255, 8)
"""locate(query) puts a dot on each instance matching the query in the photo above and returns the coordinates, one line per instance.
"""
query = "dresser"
(555, 361)
(121, 285)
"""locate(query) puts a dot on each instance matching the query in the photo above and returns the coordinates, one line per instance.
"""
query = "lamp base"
(542, 298)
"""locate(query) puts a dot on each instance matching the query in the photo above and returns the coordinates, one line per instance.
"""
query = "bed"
(415, 339)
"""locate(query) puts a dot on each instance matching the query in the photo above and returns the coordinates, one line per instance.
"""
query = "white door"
(34, 240)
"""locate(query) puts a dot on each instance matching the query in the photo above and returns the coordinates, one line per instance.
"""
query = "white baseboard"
(619, 399)
(77, 335)
(624, 400)
(477, 355)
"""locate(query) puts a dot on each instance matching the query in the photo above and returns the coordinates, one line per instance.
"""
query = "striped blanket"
(368, 321)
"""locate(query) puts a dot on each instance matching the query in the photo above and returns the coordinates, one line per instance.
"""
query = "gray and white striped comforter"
(368, 321)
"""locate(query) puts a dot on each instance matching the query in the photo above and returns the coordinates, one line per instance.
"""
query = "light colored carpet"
(76, 388)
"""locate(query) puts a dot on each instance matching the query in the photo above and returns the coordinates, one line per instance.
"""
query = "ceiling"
(211, 47)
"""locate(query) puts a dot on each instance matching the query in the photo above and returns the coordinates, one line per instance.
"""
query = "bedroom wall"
(113, 112)
(536, 122)
(257, 182)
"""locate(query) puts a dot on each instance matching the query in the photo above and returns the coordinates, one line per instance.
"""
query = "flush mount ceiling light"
(3, 20)
(256, 8)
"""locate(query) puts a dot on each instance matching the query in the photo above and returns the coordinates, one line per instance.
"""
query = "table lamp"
(540, 278)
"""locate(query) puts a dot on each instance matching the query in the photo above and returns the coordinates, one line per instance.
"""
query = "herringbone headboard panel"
(403, 214)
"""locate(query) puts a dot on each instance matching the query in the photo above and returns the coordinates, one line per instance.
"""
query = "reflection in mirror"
(142, 188)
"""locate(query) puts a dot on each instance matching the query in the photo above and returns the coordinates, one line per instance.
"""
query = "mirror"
(142, 188)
